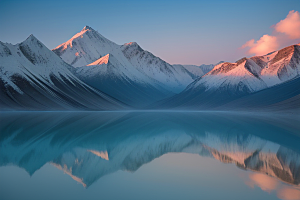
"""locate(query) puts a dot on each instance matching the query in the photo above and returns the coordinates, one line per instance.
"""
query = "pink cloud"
(290, 25)
(286, 32)
(264, 45)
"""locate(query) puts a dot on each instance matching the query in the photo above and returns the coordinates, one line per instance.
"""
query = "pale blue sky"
(185, 32)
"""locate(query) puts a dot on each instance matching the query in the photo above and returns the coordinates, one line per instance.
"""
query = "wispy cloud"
(265, 44)
(285, 32)
(290, 25)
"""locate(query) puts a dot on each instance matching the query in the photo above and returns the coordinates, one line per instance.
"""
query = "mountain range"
(90, 72)
(126, 72)
(32, 77)
(265, 82)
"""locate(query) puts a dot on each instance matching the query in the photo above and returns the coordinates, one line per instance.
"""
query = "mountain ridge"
(129, 75)
(235, 82)
(34, 78)
(136, 69)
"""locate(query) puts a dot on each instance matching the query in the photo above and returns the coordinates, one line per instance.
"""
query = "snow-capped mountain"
(193, 69)
(253, 74)
(200, 70)
(208, 68)
(284, 97)
(65, 141)
(126, 72)
(229, 81)
(32, 77)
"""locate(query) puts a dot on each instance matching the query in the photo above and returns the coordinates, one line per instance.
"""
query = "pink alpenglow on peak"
(100, 61)
(77, 35)
(87, 28)
(85, 47)
(130, 43)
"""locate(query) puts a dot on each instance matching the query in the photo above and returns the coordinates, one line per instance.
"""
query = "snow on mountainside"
(193, 69)
(32, 77)
(208, 68)
(198, 71)
(85, 47)
(227, 82)
(147, 77)
(255, 73)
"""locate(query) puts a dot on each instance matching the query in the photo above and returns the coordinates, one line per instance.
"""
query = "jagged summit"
(31, 42)
(87, 28)
(131, 44)
(84, 47)
(31, 38)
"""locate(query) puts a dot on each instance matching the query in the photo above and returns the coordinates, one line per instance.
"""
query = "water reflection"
(88, 145)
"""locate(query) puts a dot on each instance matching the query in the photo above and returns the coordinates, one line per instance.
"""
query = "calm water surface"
(148, 155)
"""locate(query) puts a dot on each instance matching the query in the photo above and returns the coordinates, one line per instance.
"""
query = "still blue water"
(149, 155)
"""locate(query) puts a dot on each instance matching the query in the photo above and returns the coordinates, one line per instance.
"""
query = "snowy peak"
(32, 77)
(272, 68)
(85, 47)
(128, 64)
(195, 71)
(100, 61)
(33, 43)
(87, 28)
(132, 49)
(240, 61)
(36, 52)
(31, 39)
(132, 44)
(283, 53)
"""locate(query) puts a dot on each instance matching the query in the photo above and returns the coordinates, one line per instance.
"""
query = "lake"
(149, 155)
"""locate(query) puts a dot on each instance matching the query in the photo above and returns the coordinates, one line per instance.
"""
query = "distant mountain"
(253, 74)
(193, 69)
(32, 77)
(204, 68)
(227, 82)
(208, 68)
(126, 72)
(198, 71)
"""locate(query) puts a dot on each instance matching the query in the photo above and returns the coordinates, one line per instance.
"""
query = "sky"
(178, 31)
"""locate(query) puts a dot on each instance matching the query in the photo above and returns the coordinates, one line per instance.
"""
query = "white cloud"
(290, 25)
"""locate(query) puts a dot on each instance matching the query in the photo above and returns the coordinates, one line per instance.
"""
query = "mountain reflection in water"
(90, 145)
